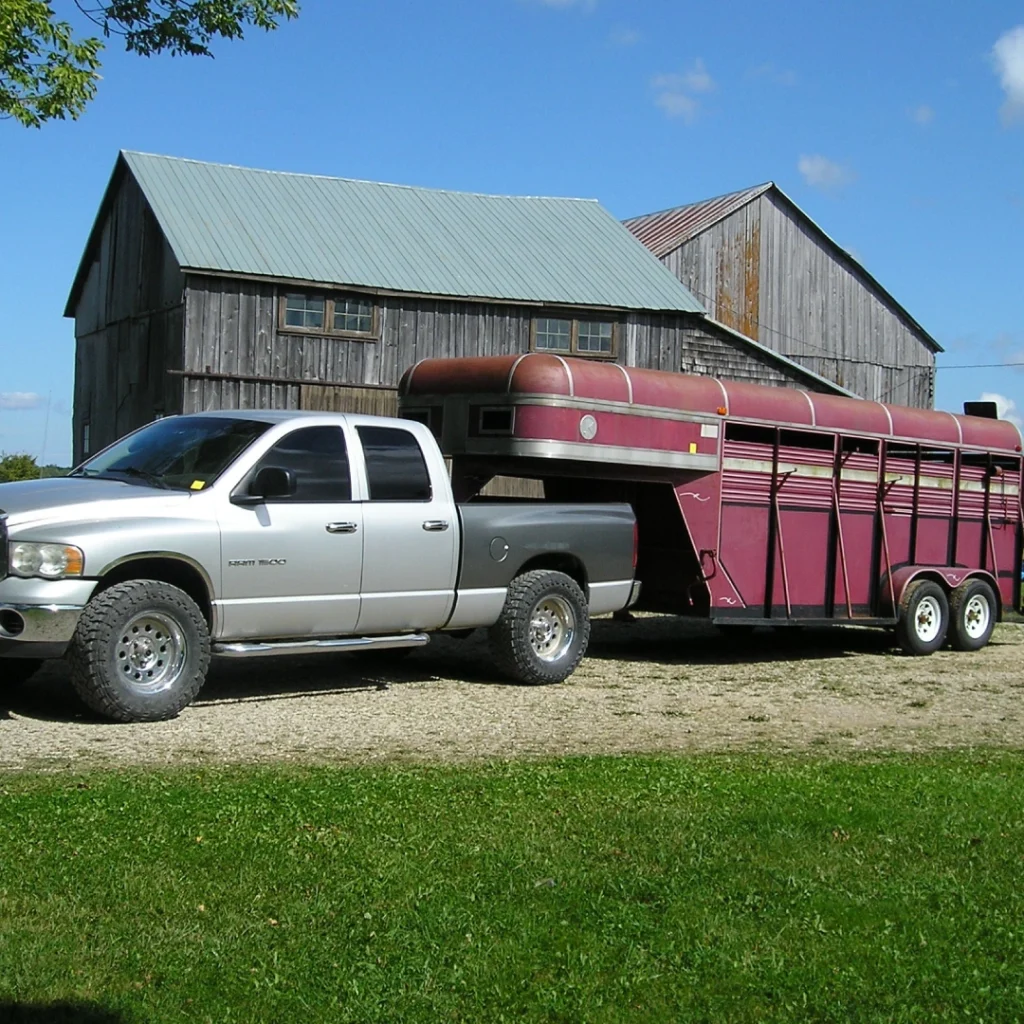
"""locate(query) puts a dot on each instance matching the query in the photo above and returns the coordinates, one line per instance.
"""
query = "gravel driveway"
(659, 684)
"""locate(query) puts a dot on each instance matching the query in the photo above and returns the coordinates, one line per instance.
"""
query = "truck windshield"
(181, 453)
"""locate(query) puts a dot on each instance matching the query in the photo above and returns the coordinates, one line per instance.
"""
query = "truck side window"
(318, 458)
(395, 468)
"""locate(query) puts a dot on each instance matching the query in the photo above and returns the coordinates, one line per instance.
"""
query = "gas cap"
(499, 549)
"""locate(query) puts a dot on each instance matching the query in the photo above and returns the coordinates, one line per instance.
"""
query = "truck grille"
(3, 545)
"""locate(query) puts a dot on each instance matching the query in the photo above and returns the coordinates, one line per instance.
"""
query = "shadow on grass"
(59, 1013)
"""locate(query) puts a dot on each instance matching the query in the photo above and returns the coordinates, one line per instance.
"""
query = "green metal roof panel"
(393, 237)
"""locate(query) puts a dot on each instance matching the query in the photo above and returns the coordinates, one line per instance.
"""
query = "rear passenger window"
(395, 468)
(318, 458)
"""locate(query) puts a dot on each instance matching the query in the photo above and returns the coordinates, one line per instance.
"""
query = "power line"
(976, 366)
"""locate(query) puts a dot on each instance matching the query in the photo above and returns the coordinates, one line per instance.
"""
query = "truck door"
(410, 538)
(291, 565)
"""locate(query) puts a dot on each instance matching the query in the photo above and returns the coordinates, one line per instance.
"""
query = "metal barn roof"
(666, 230)
(336, 231)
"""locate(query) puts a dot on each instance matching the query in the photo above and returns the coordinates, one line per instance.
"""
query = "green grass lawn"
(617, 889)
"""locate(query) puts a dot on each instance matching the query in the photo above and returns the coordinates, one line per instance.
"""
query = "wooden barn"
(204, 286)
(762, 267)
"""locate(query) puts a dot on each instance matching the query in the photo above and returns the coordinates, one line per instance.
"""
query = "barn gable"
(762, 267)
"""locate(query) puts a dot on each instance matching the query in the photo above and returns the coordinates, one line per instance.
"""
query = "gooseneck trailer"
(754, 504)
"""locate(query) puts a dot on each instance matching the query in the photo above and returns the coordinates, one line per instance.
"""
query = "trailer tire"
(15, 671)
(140, 652)
(543, 630)
(923, 618)
(972, 615)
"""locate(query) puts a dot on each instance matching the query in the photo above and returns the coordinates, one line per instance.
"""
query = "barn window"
(574, 337)
(553, 335)
(303, 311)
(594, 337)
(354, 316)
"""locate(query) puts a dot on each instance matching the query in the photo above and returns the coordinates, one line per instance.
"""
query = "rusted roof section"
(666, 230)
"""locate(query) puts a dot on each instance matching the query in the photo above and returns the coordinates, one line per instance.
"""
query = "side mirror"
(269, 483)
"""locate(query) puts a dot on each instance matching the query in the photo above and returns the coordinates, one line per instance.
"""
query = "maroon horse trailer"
(755, 504)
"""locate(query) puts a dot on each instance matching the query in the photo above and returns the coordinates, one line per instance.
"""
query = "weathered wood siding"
(236, 358)
(763, 272)
(128, 326)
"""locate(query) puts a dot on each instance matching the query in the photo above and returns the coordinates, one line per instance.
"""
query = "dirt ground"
(656, 685)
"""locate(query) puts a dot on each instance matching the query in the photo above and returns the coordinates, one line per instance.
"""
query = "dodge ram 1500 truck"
(259, 533)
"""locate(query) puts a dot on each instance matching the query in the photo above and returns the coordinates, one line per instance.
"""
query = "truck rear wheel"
(14, 671)
(923, 618)
(544, 628)
(140, 652)
(972, 615)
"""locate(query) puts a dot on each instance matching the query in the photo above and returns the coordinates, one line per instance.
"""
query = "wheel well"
(568, 564)
(936, 576)
(177, 573)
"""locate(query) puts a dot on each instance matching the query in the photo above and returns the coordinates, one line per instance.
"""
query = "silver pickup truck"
(259, 533)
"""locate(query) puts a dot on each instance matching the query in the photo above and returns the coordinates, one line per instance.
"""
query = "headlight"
(50, 561)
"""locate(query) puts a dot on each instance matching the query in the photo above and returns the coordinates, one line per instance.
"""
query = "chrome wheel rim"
(927, 619)
(977, 615)
(552, 628)
(150, 653)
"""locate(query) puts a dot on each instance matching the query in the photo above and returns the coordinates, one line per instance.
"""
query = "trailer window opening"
(805, 439)
(859, 446)
(748, 433)
(900, 450)
(937, 456)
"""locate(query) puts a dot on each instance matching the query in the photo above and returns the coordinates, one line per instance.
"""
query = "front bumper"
(38, 617)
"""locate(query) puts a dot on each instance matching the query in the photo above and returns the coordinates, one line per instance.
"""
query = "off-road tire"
(102, 648)
(513, 639)
(923, 618)
(15, 671)
(973, 608)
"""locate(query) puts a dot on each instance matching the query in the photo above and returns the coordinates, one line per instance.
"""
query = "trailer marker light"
(693, 447)
(722, 411)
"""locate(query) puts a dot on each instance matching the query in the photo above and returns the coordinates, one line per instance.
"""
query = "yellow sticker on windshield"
(198, 485)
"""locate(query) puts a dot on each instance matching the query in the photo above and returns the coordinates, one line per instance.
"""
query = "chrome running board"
(360, 643)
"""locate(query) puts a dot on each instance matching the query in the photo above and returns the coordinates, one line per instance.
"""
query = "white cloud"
(922, 114)
(622, 36)
(777, 76)
(1006, 408)
(1008, 58)
(697, 78)
(674, 92)
(820, 172)
(18, 400)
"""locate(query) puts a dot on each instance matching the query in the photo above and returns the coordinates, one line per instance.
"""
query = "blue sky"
(898, 127)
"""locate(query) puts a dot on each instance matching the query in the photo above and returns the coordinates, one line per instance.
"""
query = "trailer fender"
(947, 577)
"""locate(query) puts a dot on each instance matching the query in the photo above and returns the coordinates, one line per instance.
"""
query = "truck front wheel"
(140, 652)
(544, 628)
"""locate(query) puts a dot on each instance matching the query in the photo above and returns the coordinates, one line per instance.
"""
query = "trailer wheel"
(543, 630)
(140, 652)
(923, 618)
(972, 615)
(14, 671)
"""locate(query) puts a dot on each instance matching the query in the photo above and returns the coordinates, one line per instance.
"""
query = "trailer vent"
(988, 410)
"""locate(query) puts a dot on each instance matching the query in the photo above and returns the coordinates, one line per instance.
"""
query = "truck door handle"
(342, 527)
(436, 525)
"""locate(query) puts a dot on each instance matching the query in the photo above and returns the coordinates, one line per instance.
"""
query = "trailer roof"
(602, 382)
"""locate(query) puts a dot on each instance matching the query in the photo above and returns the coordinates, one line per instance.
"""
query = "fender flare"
(948, 577)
